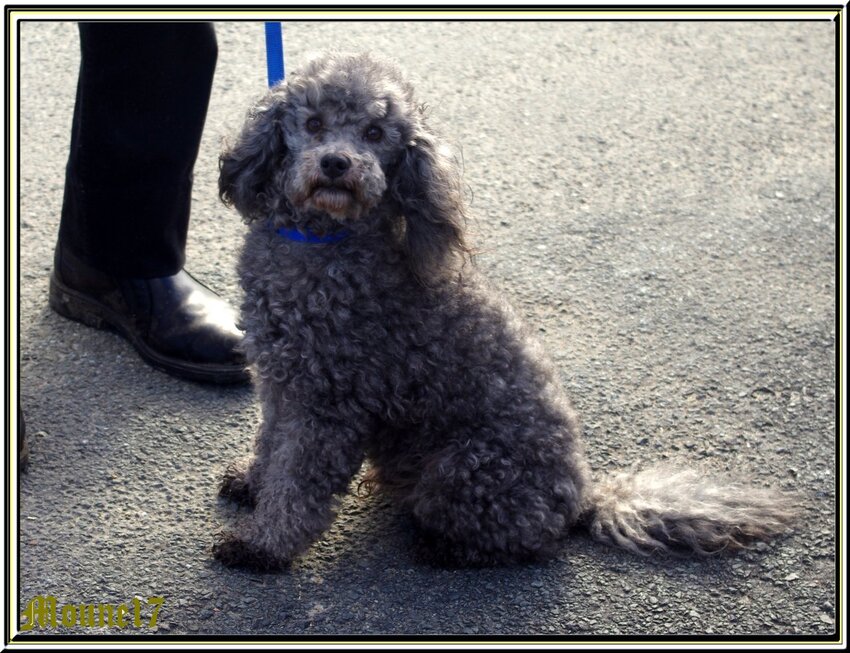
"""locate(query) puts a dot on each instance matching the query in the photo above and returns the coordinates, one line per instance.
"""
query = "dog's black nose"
(335, 165)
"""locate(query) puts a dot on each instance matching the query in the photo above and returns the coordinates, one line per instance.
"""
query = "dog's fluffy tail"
(659, 510)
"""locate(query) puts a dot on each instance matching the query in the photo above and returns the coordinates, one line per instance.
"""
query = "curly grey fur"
(386, 345)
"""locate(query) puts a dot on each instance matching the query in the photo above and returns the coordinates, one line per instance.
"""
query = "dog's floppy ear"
(428, 190)
(248, 169)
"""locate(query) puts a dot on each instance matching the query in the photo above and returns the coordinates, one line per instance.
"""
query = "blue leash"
(274, 62)
(307, 236)
(274, 53)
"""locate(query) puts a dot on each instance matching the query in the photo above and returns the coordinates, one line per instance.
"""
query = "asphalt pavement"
(658, 200)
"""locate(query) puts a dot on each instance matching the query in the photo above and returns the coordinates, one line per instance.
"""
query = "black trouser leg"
(142, 98)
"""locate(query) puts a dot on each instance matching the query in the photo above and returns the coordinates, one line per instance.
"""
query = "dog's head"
(343, 142)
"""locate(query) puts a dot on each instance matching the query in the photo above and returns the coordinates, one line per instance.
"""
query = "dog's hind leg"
(476, 506)
(312, 465)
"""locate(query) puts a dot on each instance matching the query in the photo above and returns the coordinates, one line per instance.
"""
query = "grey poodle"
(371, 337)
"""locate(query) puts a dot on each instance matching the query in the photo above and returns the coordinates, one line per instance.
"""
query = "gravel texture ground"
(658, 198)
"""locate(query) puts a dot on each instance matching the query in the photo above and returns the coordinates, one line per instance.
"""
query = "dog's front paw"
(236, 488)
(234, 552)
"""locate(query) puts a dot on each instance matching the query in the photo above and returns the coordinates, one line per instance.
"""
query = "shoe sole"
(78, 307)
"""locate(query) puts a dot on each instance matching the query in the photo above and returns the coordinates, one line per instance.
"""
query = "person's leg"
(141, 102)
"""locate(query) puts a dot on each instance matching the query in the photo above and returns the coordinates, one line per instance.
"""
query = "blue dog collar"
(308, 236)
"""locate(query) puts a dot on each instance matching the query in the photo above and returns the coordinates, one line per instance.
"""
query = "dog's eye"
(314, 125)
(373, 134)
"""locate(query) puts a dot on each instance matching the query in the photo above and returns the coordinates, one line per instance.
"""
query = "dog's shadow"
(370, 562)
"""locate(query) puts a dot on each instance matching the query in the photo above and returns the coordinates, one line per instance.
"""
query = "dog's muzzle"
(341, 183)
(333, 198)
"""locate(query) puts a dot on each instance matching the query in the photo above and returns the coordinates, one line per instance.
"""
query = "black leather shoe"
(175, 323)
